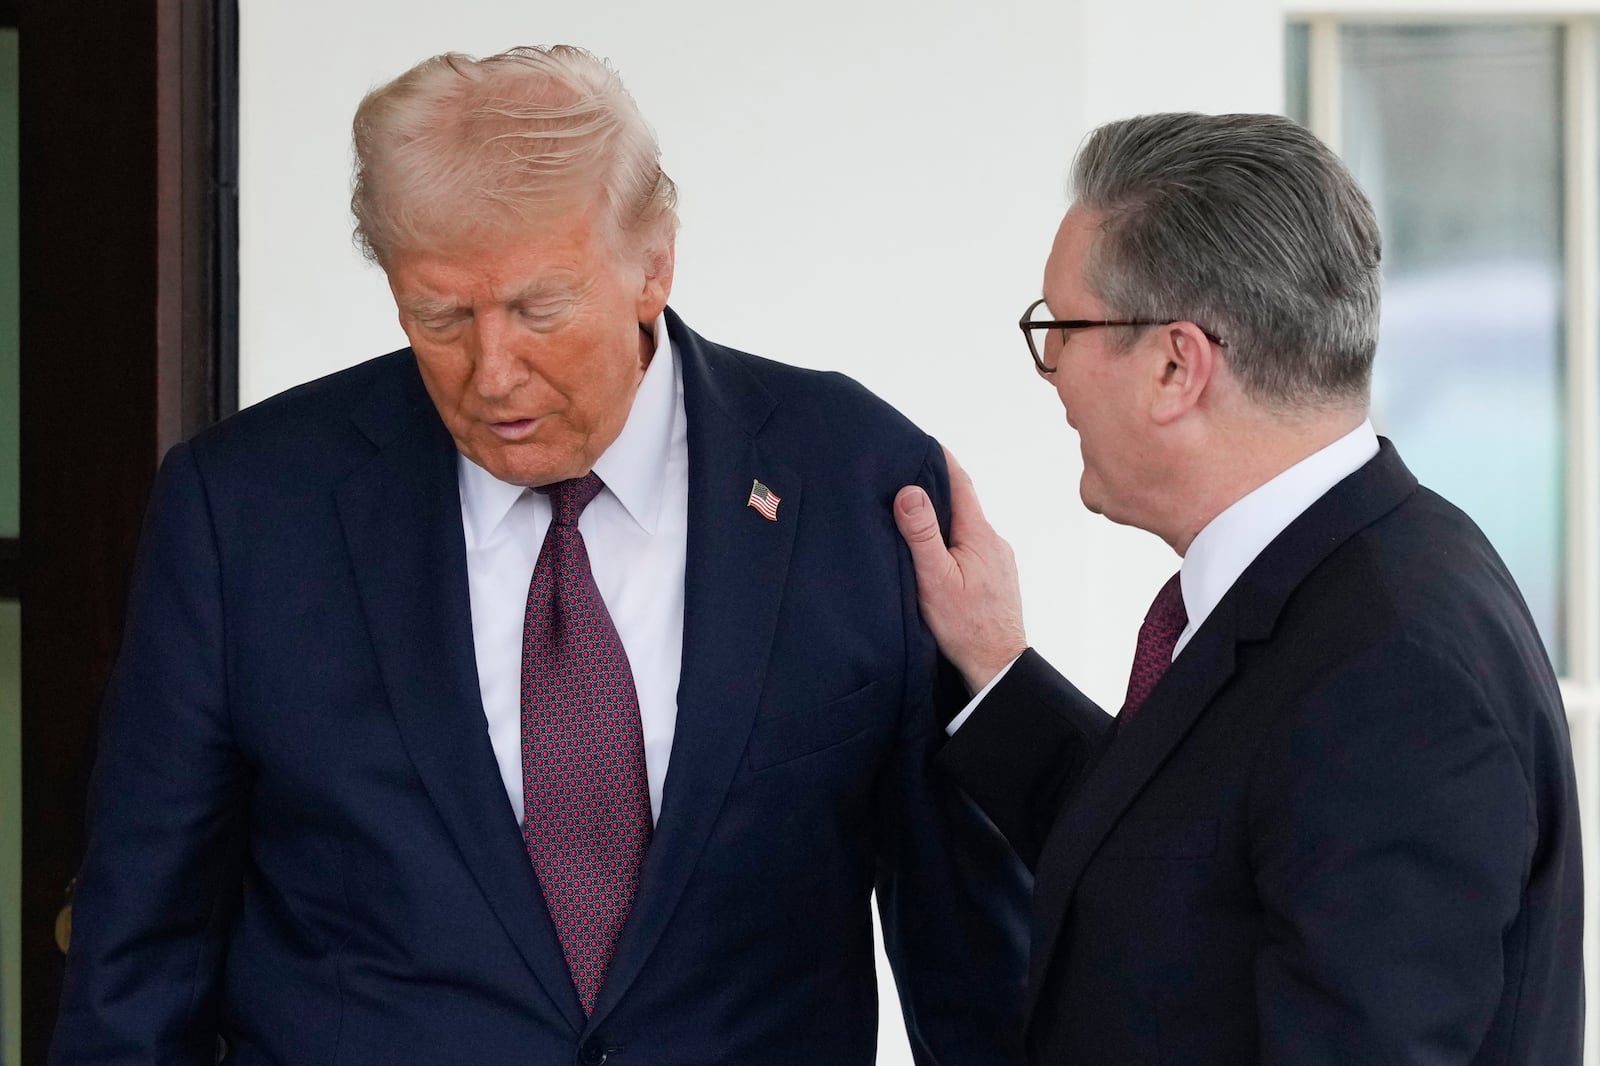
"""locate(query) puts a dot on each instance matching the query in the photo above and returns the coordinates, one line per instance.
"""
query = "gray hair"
(1249, 226)
(457, 147)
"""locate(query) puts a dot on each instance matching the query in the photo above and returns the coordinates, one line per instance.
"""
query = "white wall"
(867, 185)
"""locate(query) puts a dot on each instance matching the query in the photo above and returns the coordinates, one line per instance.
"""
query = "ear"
(659, 261)
(1190, 362)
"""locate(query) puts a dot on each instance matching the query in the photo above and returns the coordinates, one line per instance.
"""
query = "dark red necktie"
(585, 796)
(1163, 624)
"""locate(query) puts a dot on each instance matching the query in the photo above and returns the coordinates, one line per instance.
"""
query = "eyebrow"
(429, 307)
(426, 307)
(544, 289)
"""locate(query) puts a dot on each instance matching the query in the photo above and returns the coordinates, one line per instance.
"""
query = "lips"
(515, 429)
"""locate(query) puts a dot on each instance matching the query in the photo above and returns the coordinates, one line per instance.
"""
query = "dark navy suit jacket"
(300, 841)
(1342, 830)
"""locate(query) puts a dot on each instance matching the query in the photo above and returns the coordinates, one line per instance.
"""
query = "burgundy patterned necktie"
(1163, 623)
(585, 797)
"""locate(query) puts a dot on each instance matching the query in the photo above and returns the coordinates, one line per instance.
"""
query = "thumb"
(919, 526)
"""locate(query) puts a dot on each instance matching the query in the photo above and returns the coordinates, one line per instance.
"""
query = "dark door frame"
(10, 552)
(129, 343)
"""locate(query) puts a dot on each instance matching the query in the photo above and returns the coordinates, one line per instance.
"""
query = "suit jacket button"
(593, 1053)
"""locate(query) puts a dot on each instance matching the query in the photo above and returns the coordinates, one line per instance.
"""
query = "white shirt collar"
(633, 467)
(1232, 540)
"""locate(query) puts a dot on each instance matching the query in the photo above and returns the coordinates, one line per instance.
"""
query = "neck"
(1240, 455)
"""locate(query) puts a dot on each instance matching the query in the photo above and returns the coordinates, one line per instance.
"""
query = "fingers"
(966, 513)
(914, 515)
(968, 593)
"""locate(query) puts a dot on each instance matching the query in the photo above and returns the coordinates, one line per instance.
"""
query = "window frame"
(1580, 682)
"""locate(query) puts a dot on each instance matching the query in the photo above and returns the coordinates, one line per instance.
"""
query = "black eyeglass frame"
(1028, 325)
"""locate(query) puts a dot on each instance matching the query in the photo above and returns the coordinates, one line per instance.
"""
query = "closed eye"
(543, 315)
(441, 323)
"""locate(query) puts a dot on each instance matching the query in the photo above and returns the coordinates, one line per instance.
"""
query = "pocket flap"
(778, 740)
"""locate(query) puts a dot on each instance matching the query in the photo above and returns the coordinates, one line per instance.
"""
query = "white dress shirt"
(1232, 540)
(635, 531)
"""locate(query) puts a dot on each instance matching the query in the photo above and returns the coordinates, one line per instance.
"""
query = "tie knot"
(1163, 624)
(568, 498)
(1167, 617)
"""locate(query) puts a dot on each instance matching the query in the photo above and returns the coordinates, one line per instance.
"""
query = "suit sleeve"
(1023, 751)
(951, 895)
(1392, 827)
(167, 807)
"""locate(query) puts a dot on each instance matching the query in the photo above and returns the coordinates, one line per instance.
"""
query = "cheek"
(596, 373)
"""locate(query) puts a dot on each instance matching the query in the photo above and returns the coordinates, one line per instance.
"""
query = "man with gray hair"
(549, 691)
(1335, 819)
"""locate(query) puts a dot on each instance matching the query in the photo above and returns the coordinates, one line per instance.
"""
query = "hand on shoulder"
(968, 591)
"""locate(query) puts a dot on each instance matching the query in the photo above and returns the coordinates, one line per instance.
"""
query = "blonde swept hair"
(458, 147)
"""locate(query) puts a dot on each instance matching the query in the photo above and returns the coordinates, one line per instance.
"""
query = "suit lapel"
(737, 563)
(1141, 745)
(1247, 613)
(402, 522)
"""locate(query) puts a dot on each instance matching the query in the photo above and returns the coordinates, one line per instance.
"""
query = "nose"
(498, 367)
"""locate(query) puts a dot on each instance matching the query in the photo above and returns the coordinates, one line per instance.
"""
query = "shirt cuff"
(966, 712)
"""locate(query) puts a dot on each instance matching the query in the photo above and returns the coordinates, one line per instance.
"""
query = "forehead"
(1064, 285)
(561, 253)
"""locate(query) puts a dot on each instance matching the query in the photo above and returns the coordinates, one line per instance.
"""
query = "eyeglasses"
(1037, 330)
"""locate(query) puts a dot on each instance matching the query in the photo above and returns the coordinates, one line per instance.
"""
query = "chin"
(529, 471)
(1090, 497)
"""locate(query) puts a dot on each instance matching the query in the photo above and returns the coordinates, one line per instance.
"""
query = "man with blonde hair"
(549, 691)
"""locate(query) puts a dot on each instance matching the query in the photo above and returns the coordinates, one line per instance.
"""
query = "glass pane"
(1455, 133)
(1297, 72)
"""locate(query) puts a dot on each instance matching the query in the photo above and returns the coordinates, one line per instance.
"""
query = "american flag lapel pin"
(764, 500)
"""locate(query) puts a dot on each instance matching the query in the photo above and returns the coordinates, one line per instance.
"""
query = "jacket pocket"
(778, 740)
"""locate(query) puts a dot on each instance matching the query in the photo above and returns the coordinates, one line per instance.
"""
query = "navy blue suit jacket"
(1343, 828)
(300, 841)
